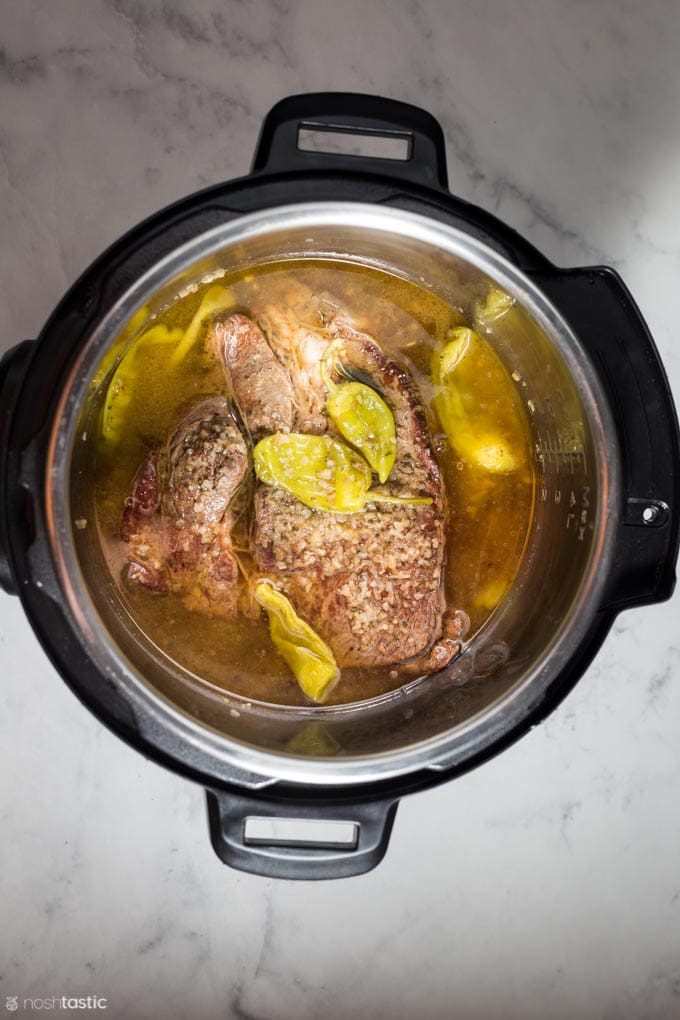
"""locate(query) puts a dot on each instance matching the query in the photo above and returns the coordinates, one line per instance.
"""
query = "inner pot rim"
(170, 726)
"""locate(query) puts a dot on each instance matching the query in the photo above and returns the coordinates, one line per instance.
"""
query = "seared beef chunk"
(142, 529)
(263, 386)
(369, 583)
(178, 520)
(300, 347)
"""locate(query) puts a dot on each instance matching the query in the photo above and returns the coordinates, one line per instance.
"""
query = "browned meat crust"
(415, 471)
(369, 583)
(260, 384)
(300, 348)
(142, 531)
(178, 521)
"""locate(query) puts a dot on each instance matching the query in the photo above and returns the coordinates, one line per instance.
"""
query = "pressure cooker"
(312, 792)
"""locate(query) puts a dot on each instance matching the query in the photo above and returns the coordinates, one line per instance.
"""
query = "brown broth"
(490, 513)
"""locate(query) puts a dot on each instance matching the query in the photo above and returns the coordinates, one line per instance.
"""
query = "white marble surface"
(546, 883)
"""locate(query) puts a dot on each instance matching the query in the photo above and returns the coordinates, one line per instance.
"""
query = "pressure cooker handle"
(12, 369)
(604, 316)
(299, 839)
(422, 162)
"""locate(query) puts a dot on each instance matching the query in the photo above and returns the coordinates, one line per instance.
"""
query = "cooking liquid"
(489, 512)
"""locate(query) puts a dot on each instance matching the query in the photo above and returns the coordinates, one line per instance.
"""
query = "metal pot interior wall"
(535, 627)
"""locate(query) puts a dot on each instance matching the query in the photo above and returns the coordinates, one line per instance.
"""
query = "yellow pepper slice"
(119, 392)
(320, 471)
(495, 305)
(308, 656)
(467, 432)
(361, 416)
(459, 343)
(108, 361)
(492, 593)
(364, 419)
(217, 298)
(313, 739)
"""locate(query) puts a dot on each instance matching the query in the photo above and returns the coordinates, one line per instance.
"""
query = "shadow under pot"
(547, 416)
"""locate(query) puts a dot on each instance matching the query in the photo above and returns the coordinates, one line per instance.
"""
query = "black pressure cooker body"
(593, 301)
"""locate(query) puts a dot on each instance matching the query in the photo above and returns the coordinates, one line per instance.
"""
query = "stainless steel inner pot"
(506, 667)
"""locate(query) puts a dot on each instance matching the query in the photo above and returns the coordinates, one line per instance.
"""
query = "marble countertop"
(546, 883)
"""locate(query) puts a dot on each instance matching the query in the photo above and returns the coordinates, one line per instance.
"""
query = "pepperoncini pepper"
(308, 656)
(495, 305)
(118, 394)
(217, 298)
(363, 418)
(469, 434)
(320, 471)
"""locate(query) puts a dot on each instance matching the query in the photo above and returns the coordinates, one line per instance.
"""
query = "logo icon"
(11, 1003)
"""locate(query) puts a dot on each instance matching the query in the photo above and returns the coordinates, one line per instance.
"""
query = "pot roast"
(370, 583)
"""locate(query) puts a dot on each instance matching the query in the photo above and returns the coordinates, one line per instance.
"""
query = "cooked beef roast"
(370, 583)
(265, 393)
(178, 520)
